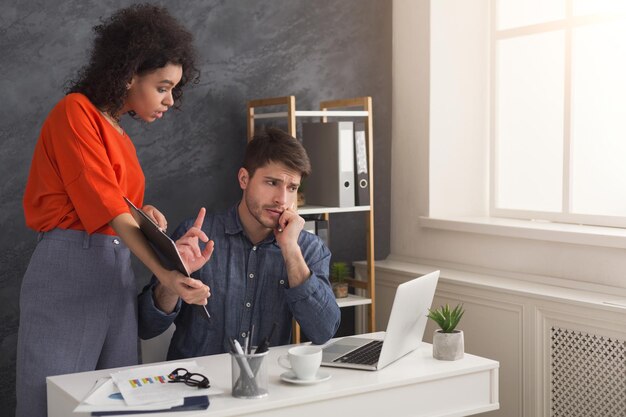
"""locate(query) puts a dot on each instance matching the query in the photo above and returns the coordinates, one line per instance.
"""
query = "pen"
(250, 334)
(231, 342)
(238, 348)
(244, 362)
(265, 344)
(208, 316)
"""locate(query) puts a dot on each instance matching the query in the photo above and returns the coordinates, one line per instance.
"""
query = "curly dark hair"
(134, 41)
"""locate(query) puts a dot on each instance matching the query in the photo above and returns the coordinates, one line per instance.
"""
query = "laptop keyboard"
(365, 355)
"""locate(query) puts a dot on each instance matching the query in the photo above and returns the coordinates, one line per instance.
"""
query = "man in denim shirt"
(263, 267)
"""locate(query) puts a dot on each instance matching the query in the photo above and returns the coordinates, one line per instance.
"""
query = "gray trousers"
(78, 312)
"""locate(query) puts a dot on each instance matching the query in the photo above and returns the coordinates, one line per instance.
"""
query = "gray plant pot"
(448, 346)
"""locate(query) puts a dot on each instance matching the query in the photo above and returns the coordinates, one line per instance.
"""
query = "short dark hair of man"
(275, 145)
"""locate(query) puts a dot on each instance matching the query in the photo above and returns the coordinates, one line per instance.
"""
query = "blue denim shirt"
(248, 285)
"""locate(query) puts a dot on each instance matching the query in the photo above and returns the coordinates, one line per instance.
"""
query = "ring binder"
(330, 147)
(362, 194)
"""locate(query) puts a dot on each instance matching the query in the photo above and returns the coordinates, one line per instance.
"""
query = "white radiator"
(587, 375)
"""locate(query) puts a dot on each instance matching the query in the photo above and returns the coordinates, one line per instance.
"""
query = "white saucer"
(290, 377)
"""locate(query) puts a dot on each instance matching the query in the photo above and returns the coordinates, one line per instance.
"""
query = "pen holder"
(249, 375)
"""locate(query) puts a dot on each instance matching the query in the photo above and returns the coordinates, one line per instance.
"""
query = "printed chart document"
(143, 389)
(106, 397)
(150, 385)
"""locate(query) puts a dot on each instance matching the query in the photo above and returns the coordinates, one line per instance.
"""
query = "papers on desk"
(145, 389)
(106, 397)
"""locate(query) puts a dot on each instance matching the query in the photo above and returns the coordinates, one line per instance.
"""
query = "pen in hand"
(208, 316)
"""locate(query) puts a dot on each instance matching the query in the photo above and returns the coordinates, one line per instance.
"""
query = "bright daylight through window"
(558, 94)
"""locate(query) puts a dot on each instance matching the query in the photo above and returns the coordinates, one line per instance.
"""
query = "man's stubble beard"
(257, 213)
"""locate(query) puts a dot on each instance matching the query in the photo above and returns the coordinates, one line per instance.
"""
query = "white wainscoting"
(534, 328)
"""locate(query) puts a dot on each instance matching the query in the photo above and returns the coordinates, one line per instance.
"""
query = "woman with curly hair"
(78, 308)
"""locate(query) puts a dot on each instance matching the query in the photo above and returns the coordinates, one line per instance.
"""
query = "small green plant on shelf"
(338, 274)
(446, 318)
(301, 199)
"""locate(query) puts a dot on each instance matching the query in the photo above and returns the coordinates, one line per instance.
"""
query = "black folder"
(161, 241)
(361, 175)
(200, 402)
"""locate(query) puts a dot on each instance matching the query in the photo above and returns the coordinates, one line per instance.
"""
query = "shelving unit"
(330, 109)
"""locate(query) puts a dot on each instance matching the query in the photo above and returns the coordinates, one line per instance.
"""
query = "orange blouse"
(82, 168)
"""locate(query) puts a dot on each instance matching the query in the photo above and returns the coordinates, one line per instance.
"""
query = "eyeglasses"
(189, 378)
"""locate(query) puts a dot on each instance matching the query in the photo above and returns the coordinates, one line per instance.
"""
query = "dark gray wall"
(313, 49)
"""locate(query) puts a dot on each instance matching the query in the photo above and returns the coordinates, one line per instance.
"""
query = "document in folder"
(145, 389)
(161, 241)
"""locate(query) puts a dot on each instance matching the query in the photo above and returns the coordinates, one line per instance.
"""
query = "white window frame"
(567, 25)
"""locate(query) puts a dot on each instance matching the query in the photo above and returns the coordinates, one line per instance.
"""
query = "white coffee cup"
(304, 361)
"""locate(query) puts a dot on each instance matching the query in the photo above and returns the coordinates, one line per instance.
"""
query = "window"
(558, 111)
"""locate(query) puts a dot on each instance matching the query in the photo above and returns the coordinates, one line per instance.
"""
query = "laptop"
(404, 334)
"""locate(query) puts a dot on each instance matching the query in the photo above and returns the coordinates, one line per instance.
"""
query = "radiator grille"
(587, 375)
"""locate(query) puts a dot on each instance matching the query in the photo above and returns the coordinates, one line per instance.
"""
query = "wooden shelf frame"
(328, 109)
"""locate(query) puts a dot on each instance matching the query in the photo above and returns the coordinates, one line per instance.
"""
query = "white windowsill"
(396, 270)
(527, 229)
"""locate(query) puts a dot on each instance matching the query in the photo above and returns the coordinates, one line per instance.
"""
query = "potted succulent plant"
(448, 344)
(338, 274)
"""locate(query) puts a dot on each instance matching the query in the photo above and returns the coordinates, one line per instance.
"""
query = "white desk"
(416, 385)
